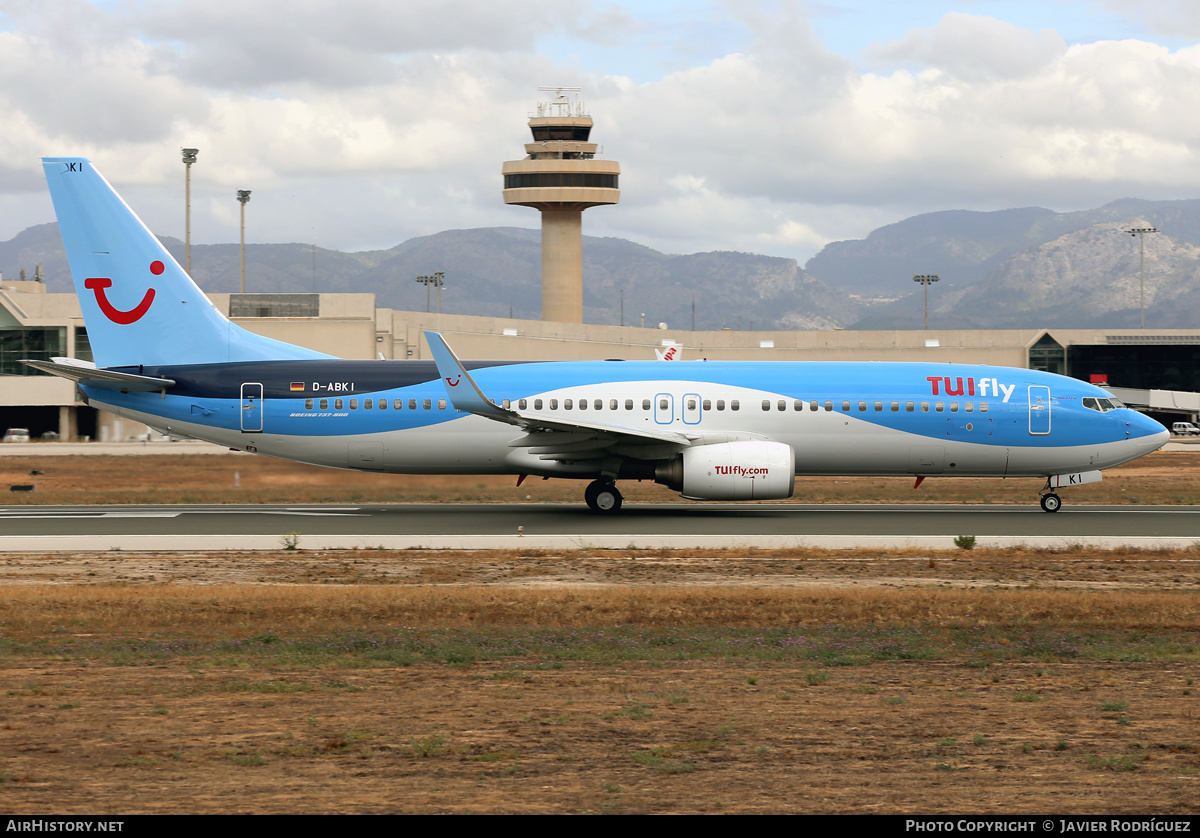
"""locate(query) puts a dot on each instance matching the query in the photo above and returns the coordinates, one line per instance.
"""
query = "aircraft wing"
(82, 372)
(549, 437)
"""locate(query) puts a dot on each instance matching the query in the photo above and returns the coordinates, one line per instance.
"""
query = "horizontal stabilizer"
(81, 372)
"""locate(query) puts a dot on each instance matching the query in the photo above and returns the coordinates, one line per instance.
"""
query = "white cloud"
(974, 48)
(370, 122)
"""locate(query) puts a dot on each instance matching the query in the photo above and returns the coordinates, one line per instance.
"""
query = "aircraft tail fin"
(139, 305)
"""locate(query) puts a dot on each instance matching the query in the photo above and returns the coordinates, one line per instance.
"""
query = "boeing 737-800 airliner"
(711, 430)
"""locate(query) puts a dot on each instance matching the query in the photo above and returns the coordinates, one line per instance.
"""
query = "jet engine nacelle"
(746, 470)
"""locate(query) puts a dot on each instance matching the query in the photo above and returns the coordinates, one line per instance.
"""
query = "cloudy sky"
(772, 127)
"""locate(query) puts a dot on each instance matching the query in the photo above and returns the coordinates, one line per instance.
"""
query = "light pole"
(926, 280)
(243, 196)
(1141, 232)
(437, 280)
(189, 157)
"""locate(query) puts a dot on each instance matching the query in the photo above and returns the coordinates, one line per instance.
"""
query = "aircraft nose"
(1151, 431)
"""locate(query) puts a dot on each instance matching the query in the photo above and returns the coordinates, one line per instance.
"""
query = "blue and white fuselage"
(710, 429)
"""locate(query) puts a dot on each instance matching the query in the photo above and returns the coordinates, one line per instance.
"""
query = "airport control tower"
(561, 178)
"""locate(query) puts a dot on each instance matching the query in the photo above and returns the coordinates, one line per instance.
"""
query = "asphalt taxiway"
(566, 526)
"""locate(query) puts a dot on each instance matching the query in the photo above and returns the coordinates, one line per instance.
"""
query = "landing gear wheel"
(602, 496)
(1051, 502)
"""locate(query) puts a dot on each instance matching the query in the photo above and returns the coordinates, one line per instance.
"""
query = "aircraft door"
(1039, 409)
(691, 409)
(664, 408)
(252, 408)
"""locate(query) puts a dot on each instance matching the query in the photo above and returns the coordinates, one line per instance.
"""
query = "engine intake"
(745, 470)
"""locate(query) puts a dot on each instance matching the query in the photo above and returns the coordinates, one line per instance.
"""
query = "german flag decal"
(297, 386)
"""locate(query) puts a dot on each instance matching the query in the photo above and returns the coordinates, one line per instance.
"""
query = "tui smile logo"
(98, 283)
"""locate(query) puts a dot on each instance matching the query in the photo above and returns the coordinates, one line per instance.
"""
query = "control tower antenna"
(561, 178)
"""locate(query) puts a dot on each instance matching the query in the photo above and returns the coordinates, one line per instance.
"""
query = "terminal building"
(1157, 371)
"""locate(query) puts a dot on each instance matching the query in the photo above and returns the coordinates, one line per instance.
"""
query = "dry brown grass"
(227, 610)
(207, 594)
(103, 711)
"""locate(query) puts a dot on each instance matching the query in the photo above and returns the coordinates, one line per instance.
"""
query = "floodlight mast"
(437, 280)
(926, 280)
(243, 196)
(189, 157)
(1140, 233)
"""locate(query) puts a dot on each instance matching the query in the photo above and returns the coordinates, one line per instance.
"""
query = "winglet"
(464, 393)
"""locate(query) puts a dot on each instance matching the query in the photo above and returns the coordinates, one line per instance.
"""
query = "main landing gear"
(602, 496)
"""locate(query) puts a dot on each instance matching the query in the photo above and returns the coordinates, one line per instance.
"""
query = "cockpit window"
(1102, 405)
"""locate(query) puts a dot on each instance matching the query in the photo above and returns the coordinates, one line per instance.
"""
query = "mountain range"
(1016, 268)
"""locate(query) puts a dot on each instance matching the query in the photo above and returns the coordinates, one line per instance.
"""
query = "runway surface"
(565, 526)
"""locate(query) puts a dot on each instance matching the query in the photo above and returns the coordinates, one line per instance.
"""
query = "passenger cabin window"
(308, 404)
(324, 404)
(427, 404)
(909, 406)
(383, 404)
(398, 404)
(523, 404)
(629, 404)
(708, 404)
(862, 406)
(337, 404)
(766, 404)
(846, 407)
(829, 405)
(734, 404)
(720, 404)
(537, 404)
(939, 407)
(645, 404)
(441, 404)
(368, 404)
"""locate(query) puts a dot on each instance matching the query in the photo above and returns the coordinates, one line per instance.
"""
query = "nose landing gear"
(1050, 501)
(602, 496)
